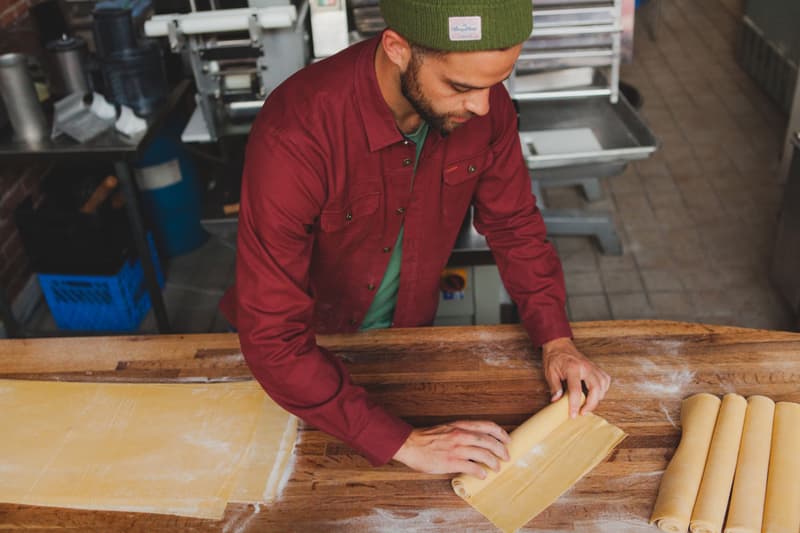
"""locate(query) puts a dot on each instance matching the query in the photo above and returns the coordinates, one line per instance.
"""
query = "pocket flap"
(465, 169)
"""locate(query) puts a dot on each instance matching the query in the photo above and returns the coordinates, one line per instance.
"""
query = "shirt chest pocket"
(356, 214)
(459, 180)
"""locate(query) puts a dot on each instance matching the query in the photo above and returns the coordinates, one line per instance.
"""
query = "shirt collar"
(379, 123)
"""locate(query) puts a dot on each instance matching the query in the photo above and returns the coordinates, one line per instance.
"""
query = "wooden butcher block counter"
(429, 376)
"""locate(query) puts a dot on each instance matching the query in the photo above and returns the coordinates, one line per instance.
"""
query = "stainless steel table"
(621, 136)
(121, 152)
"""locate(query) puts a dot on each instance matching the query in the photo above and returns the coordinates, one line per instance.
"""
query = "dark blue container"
(101, 303)
(170, 194)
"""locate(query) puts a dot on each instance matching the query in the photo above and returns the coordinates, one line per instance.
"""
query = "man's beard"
(409, 86)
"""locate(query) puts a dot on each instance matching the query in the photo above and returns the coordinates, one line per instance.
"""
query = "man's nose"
(478, 102)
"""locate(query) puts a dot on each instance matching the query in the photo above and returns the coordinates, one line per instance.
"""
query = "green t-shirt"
(381, 311)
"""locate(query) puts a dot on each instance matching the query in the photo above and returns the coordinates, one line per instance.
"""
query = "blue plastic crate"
(101, 303)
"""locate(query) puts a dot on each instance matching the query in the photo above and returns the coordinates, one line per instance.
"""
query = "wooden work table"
(428, 376)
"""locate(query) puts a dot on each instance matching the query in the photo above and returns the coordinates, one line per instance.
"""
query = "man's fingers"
(596, 393)
(468, 467)
(486, 442)
(456, 447)
(479, 455)
(491, 445)
(598, 385)
(554, 382)
(574, 387)
(606, 381)
(483, 426)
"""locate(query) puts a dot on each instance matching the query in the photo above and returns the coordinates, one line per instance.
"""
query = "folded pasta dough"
(750, 482)
(549, 453)
(681, 480)
(782, 505)
(715, 488)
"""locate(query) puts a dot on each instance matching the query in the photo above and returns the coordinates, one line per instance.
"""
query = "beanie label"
(465, 28)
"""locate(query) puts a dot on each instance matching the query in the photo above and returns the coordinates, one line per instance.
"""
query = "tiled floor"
(195, 283)
(697, 219)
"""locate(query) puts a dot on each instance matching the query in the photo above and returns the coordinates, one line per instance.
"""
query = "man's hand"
(455, 448)
(563, 362)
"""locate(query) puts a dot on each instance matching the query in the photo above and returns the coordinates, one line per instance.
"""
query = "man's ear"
(396, 48)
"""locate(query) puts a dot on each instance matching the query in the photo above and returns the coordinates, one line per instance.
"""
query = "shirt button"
(471, 169)
(353, 321)
(406, 162)
(348, 216)
(400, 210)
(386, 250)
(405, 142)
(371, 286)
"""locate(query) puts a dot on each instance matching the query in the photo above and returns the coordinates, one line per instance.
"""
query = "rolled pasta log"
(529, 433)
(681, 481)
(549, 453)
(715, 488)
(750, 482)
(782, 504)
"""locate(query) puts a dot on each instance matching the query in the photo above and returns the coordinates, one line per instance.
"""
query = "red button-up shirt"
(325, 191)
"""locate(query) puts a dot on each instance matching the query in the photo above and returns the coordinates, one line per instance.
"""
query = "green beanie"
(460, 25)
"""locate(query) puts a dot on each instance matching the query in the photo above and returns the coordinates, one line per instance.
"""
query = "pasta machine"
(237, 57)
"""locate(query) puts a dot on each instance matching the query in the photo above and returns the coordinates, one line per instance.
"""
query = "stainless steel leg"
(581, 222)
(592, 189)
(536, 187)
(487, 285)
(125, 176)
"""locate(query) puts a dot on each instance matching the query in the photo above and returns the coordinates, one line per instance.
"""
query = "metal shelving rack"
(575, 127)
(570, 40)
(568, 36)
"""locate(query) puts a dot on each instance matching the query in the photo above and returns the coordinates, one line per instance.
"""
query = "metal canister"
(136, 78)
(69, 55)
(113, 29)
(19, 94)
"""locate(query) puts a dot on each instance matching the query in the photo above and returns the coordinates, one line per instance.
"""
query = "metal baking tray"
(620, 132)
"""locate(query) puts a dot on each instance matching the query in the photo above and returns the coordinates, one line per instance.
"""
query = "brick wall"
(17, 181)
(11, 10)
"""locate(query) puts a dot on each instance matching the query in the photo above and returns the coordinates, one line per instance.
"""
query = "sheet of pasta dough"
(267, 458)
(158, 448)
(549, 453)
(782, 505)
(681, 480)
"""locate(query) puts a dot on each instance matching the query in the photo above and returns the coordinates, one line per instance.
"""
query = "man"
(358, 174)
